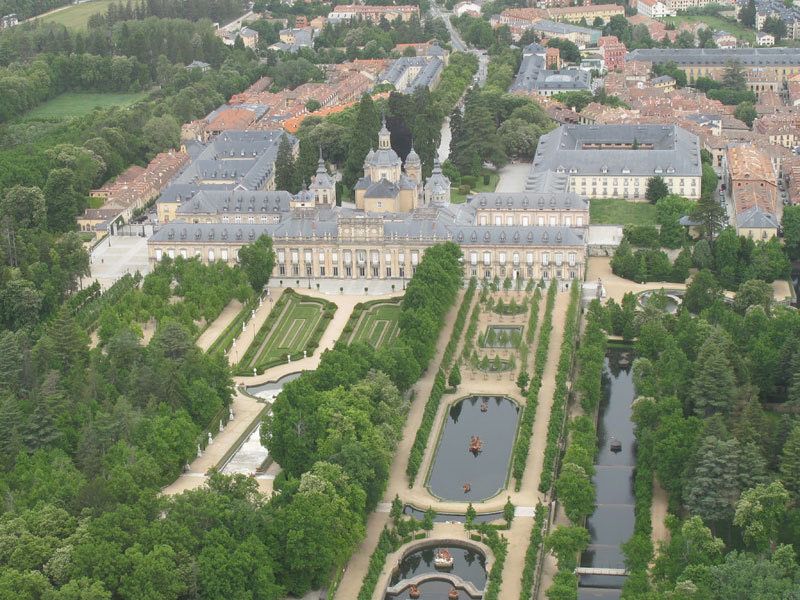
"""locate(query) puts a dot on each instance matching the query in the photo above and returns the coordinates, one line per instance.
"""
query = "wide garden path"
(247, 408)
(220, 324)
(528, 496)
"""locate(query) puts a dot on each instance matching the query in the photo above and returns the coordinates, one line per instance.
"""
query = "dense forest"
(89, 435)
(716, 423)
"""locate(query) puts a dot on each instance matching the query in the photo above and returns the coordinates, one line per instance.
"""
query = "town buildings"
(343, 13)
(656, 9)
(617, 161)
(534, 78)
(773, 63)
(407, 74)
(129, 192)
(752, 184)
(613, 52)
(521, 19)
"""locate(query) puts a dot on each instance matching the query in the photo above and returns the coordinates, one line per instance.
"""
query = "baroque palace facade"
(524, 235)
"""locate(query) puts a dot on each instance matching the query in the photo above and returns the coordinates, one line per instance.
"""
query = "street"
(460, 46)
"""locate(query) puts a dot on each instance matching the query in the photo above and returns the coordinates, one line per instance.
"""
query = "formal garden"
(293, 328)
(375, 322)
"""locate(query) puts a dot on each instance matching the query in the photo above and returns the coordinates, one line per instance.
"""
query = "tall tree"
(285, 175)
(257, 260)
(714, 383)
(363, 137)
(790, 463)
(656, 189)
(760, 513)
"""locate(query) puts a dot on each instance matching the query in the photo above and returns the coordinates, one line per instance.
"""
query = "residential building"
(343, 13)
(467, 8)
(580, 36)
(199, 65)
(616, 161)
(775, 63)
(249, 37)
(613, 52)
(131, 191)
(665, 82)
(291, 40)
(655, 9)
(533, 78)
(411, 72)
(752, 183)
(765, 39)
(725, 40)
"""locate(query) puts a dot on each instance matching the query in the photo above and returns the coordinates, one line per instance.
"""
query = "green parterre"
(295, 324)
(375, 323)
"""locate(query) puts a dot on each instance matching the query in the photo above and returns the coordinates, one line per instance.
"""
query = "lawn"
(457, 198)
(611, 211)
(717, 23)
(295, 324)
(378, 325)
(72, 104)
(77, 15)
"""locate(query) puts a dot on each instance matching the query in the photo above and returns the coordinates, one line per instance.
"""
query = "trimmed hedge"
(439, 386)
(388, 542)
(559, 408)
(87, 305)
(532, 553)
(225, 339)
(522, 445)
(499, 546)
(359, 309)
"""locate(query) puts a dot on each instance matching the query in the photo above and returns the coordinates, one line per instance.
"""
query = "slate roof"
(755, 218)
(676, 152)
(541, 200)
(221, 201)
(382, 189)
(755, 57)
(533, 77)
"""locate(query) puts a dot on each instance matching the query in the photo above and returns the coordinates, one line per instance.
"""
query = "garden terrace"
(375, 323)
(295, 325)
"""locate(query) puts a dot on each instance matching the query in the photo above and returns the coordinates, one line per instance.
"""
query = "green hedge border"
(532, 553)
(359, 309)
(225, 339)
(437, 391)
(559, 409)
(523, 442)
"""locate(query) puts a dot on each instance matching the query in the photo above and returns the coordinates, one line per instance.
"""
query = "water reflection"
(469, 564)
(493, 421)
(612, 522)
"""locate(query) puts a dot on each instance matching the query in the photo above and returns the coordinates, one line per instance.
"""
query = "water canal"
(492, 419)
(611, 525)
(251, 455)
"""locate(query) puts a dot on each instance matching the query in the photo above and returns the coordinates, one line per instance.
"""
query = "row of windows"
(530, 258)
(293, 256)
(529, 272)
(541, 221)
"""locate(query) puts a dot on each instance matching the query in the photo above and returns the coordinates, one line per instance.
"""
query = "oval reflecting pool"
(474, 451)
(270, 390)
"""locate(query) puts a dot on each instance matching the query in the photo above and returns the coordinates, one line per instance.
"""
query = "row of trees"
(178, 39)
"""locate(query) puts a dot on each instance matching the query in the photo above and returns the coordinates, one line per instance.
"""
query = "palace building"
(396, 215)
(616, 161)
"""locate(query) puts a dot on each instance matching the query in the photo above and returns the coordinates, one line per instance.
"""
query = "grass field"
(73, 104)
(716, 23)
(457, 198)
(296, 323)
(77, 15)
(378, 325)
(612, 211)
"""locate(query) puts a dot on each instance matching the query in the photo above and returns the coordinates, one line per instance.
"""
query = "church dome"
(413, 158)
